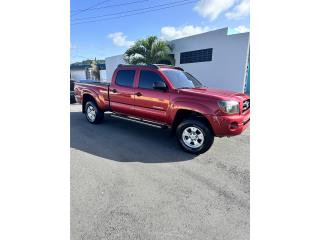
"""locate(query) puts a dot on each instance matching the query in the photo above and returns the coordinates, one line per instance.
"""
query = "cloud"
(120, 40)
(240, 29)
(213, 8)
(239, 11)
(170, 33)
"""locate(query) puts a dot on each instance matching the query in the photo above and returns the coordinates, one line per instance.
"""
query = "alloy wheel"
(193, 137)
(91, 113)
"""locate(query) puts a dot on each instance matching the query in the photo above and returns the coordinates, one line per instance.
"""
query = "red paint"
(162, 106)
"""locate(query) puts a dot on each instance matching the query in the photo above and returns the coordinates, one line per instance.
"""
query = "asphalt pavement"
(132, 181)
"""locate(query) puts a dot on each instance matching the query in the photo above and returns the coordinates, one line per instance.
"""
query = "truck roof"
(154, 66)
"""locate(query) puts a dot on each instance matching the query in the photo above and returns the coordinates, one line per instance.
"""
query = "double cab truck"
(167, 96)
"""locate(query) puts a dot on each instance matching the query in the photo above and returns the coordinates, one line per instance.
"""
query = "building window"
(203, 55)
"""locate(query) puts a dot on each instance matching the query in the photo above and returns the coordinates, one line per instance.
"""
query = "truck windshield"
(182, 79)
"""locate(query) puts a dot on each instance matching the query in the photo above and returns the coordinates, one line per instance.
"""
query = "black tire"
(99, 115)
(72, 100)
(203, 129)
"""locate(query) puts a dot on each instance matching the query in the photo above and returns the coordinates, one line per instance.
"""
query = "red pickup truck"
(167, 96)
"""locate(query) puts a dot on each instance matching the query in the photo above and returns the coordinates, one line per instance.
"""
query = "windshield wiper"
(200, 87)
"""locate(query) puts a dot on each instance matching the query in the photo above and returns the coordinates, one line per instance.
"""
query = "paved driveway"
(131, 181)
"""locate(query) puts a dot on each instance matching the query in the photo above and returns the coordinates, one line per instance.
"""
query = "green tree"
(149, 51)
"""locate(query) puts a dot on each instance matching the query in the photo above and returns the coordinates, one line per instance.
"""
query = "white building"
(112, 63)
(216, 58)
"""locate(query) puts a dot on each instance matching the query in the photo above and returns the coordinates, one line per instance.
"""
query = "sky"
(103, 28)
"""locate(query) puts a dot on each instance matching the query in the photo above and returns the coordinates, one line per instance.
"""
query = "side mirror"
(159, 85)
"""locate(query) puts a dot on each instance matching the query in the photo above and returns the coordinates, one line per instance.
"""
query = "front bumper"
(230, 125)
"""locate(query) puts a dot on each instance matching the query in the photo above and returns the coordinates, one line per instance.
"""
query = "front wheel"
(194, 136)
(93, 114)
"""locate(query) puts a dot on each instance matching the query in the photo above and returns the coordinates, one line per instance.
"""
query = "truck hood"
(217, 93)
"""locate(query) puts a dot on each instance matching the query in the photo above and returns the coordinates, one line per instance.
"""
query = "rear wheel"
(194, 136)
(93, 114)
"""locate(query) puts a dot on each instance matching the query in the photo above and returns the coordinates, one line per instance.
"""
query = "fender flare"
(92, 94)
(186, 105)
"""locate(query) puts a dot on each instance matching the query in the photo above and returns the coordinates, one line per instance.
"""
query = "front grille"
(246, 105)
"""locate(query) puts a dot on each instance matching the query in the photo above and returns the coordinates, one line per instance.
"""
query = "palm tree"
(149, 51)
(95, 70)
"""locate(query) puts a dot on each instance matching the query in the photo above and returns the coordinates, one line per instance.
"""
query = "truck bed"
(93, 88)
(90, 82)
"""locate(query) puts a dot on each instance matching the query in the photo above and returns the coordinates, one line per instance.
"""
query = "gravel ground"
(131, 181)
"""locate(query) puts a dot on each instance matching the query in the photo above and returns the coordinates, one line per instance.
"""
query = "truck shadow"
(124, 141)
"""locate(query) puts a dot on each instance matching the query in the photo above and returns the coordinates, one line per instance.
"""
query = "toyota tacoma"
(167, 96)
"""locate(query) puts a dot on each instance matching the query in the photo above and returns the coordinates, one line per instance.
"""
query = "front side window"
(125, 78)
(147, 78)
(181, 79)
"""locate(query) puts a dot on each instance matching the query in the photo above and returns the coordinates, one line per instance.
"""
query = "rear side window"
(125, 78)
(147, 78)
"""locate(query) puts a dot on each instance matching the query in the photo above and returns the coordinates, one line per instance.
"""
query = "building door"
(89, 75)
(247, 81)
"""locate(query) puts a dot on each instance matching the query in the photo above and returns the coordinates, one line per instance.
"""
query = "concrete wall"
(103, 76)
(78, 74)
(111, 65)
(229, 58)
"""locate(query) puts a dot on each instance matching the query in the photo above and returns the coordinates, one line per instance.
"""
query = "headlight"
(229, 106)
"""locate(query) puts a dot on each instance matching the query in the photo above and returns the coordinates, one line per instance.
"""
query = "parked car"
(167, 96)
(72, 97)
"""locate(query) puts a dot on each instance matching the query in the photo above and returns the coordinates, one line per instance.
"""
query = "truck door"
(121, 92)
(150, 103)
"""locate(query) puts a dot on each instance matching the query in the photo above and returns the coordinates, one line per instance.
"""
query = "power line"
(112, 5)
(92, 6)
(134, 10)
(127, 15)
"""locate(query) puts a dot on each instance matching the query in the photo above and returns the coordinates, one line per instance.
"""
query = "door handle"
(139, 94)
(114, 90)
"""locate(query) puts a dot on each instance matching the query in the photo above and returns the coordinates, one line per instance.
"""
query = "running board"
(140, 120)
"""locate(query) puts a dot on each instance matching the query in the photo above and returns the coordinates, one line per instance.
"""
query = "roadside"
(131, 181)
